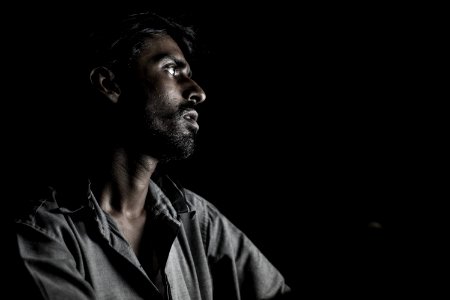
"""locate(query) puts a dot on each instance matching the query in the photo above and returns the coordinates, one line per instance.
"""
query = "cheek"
(166, 90)
(161, 107)
(163, 102)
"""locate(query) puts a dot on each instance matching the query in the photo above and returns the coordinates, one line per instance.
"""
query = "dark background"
(310, 134)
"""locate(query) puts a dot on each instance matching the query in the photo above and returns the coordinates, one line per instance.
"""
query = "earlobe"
(103, 79)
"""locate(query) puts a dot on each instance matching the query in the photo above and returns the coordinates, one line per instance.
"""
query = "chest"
(115, 271)
(133, 231)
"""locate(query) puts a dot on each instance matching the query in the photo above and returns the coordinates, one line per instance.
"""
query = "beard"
(172, 145)
(157, 127)
(168, 139)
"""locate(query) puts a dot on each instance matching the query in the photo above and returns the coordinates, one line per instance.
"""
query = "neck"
(121, 188)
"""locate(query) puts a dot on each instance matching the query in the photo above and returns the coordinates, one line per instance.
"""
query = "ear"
(103, 79)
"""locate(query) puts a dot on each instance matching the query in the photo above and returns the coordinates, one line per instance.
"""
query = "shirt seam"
(40, 229)
(204, 231)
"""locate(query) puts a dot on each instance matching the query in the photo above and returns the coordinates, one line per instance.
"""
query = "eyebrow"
(180, 63)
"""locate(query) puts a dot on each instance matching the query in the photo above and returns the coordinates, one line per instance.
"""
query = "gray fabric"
(77, 252)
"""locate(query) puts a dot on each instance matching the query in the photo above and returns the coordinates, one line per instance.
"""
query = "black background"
(310, 134)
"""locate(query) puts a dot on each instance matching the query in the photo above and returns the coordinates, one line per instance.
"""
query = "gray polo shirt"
(74, 250)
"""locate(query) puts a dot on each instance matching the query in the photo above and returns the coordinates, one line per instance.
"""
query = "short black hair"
(116, 45)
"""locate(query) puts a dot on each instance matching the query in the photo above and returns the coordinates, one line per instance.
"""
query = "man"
(131, 232)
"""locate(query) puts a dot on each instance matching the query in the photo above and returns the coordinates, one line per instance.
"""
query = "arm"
(50, 265)
(237, 265)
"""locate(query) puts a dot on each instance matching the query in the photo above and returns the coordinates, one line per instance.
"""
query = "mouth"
(191, 116)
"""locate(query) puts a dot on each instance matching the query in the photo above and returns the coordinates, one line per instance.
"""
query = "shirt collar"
(165, 196)
(171, 190)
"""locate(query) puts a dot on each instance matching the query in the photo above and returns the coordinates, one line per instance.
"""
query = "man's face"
(160, 103)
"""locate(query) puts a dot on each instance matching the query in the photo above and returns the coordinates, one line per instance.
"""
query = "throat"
(140, 236)
(133, 230)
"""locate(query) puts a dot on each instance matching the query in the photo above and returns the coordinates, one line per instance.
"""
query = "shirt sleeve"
(239, 269)
(50, 265)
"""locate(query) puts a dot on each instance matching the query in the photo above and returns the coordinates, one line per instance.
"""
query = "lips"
(191, 115)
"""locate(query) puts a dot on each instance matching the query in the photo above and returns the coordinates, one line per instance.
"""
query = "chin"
(175, 156)
(177, 149)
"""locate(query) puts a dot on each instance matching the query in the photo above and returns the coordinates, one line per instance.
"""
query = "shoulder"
(201, 206)
(41, 213)
(211, 219)
(31, 206)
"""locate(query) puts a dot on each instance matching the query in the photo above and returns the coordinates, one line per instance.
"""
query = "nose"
(194, 92)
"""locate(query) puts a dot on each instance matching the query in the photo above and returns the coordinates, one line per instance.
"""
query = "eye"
(173, 70)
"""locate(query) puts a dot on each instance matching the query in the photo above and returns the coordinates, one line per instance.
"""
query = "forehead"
(160, 46)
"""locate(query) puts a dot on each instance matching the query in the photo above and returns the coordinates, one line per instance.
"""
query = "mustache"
(185, 107)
